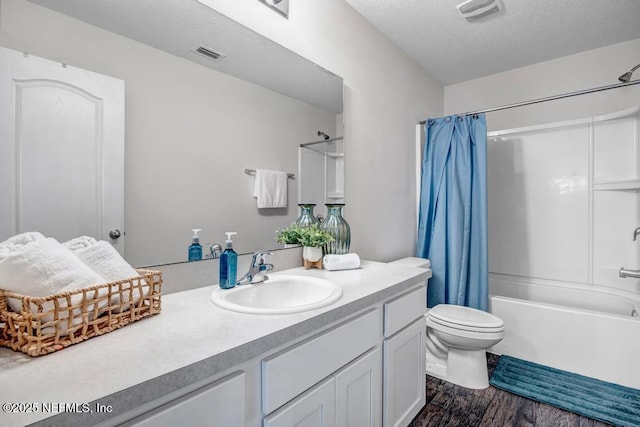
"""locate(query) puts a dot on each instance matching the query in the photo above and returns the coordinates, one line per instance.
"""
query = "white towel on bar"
(270, 189)
(341, 262)
(105, 260)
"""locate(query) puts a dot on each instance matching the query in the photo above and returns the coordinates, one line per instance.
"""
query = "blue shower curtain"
(452, 228)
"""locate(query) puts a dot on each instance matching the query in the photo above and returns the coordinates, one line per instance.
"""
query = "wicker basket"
(47, 324)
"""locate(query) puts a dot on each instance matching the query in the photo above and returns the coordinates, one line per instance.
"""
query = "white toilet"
(457, 339)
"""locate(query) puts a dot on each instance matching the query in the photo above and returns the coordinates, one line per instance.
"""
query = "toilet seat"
(465, 318)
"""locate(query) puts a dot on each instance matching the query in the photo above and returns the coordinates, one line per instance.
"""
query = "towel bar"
(253, 172)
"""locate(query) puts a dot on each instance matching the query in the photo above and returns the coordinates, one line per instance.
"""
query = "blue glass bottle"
(228, 264)
(195, 249)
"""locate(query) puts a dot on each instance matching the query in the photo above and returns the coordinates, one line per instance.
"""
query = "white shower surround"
(564, 199)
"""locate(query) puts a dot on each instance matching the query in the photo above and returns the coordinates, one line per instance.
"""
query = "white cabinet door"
(218, 404)
(404, 373)
(359, 392)
(61, 150)
(314, 408)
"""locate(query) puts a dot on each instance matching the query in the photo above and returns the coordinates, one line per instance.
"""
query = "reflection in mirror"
(321, 173)
(193, 124)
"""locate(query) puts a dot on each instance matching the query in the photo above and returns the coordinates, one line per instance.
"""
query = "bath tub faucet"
(624, 273)
(257, 269)
(635, 233)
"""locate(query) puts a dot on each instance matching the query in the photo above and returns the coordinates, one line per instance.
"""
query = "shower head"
(626, 77)
(323, 135)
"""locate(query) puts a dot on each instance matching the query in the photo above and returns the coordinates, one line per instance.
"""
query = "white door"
(61, 150)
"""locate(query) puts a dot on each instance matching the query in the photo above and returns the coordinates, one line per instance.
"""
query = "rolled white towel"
(341, 262)
(23, 239)
(105, 260)
(43, 267)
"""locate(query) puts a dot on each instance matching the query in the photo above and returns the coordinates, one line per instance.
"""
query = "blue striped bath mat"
(600, 400)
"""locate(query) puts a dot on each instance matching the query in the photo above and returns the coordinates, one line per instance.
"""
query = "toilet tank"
(413, 262)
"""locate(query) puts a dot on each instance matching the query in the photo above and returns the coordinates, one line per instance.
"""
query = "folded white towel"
(43, 267)
(270, 189)
(341, 262)
(105, 260)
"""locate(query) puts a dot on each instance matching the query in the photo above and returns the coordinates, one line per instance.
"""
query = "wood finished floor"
(452, 405)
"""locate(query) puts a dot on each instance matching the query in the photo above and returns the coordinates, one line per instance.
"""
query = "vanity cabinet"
(383, 385)
(368, 370)
(357, 363)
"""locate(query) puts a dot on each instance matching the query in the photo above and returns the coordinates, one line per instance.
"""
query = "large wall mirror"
(206, 98)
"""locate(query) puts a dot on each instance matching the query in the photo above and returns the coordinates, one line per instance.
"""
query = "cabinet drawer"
(290, 372)
(401, 311)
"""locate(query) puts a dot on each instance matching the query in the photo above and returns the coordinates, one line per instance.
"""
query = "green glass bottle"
(306, 218)
(338, 227)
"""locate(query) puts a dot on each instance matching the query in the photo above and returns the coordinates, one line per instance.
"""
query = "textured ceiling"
(177, 26)
(525, 32)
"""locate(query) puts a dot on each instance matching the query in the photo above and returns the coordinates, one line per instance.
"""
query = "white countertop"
(190, 329)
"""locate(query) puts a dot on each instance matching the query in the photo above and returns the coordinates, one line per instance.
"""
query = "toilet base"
(466, 368)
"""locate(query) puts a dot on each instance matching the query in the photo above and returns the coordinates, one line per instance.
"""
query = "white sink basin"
(281, 294)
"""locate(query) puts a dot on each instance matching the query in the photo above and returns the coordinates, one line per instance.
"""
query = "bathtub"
(588, 330)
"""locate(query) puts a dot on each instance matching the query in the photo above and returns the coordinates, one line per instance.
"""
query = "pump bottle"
(195, 250)
(228, 263)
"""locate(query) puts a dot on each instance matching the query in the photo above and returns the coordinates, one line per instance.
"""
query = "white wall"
(385, 94)
(593, 68)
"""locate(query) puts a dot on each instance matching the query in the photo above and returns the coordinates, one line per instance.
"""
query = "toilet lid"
(465, 317)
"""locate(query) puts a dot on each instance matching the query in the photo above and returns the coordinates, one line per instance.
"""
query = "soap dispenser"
(195, 250)
(228, 263)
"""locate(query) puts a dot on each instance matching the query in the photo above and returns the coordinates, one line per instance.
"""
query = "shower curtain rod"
(548, 98)
(337, 138)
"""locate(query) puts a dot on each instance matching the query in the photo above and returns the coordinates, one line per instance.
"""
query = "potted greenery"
(312, 239)
(289, 236)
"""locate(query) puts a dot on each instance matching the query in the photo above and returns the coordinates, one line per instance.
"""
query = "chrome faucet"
(215, 250)
(635, 233)
(257, 269)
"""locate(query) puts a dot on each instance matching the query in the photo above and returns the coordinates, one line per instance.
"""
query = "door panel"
(62, 154)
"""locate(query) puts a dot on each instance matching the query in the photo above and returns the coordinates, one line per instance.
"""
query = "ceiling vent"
(208, 52)
(472, 10)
